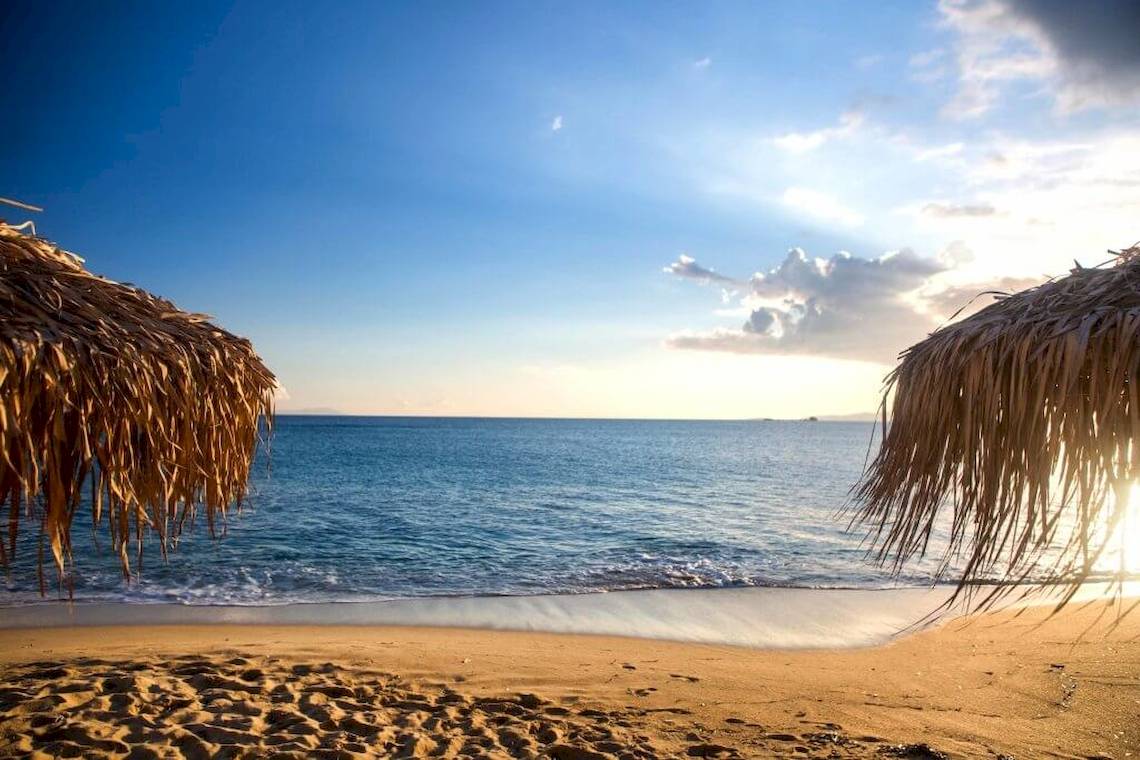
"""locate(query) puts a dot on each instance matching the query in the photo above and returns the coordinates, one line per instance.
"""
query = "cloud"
(1096, 44)
(949, 210)
(962, 300)
(844, 307)
(556, 125)
(802, 142)
(821, 206)
(928, 66)
(1075, 194)
(279, 392)
(939, 151)
(1056, 190)
(956, 254)
(687, 268)
(1088, 53)
(992, 49)
(702, 63)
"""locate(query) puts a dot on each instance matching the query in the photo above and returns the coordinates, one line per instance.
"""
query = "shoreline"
(1013, 683)
(756, 617)
(772, 618)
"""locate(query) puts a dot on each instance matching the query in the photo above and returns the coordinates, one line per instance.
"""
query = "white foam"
(756, 617)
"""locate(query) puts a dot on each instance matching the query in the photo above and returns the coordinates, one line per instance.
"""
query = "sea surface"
(374, 508)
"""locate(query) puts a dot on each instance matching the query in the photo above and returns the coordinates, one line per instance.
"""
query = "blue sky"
(444, 208)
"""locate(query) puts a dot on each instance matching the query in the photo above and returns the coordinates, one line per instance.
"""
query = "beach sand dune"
(998, 686)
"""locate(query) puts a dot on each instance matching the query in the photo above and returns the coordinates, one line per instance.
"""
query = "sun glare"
(1130, 532)
(1123, 550)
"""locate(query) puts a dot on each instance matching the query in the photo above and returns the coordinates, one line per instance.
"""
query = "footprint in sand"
(690, 679)
(711, 750)
(243, 705)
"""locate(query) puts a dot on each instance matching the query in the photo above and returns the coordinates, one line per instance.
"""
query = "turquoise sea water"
(357, 508)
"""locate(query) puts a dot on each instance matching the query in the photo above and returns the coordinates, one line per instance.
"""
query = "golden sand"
(996, 686)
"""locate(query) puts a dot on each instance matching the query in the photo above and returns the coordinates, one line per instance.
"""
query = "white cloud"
(802, 142)
(942, 210)
(1026, 194)
(1054, 195)
(844, 307)
(687, 268)
(939, 151)
(821, 206)
(556, 125)
(991, 50)
(702, 63)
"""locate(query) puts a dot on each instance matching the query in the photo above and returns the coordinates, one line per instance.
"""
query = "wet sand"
(768, 618)
(997, 685)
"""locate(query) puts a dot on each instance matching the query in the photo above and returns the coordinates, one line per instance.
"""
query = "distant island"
(856, 417)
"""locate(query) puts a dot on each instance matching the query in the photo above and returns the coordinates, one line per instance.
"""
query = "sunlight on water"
(361, 509)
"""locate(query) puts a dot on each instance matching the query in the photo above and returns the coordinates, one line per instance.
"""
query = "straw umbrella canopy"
(1017, 429)
(106, 387)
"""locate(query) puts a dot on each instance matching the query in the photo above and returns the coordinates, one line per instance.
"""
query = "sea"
(345, 509)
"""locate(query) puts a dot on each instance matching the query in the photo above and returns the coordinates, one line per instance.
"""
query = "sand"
(996, 686)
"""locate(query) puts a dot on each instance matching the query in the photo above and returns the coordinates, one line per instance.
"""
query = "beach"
(1007, 684)
(586, 381)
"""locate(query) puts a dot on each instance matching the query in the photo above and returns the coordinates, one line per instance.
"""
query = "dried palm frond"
(1022, 422)
(105, 386)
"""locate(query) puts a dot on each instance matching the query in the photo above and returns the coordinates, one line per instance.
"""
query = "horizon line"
(383, 415)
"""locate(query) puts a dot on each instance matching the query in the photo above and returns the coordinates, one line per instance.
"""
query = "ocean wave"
(304, 585)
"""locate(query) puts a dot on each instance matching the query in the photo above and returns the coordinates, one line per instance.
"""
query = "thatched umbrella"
(1022, 423)
(103, 385)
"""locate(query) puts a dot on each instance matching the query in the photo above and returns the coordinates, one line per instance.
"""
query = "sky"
(568, 209)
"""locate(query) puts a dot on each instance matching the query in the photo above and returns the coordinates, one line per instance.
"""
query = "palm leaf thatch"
(107, 387)
(1022, 423)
